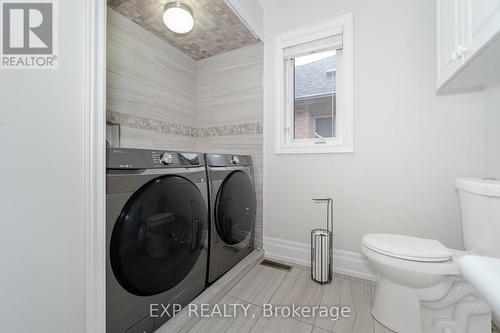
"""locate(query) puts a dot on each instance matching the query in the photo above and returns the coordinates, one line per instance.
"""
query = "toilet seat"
(408, 248)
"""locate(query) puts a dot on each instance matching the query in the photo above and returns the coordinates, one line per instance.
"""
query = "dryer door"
(158, 236)
(235, 208)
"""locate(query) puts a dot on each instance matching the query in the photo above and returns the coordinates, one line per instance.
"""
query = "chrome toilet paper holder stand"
(321, 242)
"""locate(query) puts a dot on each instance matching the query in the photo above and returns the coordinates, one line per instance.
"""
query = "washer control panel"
(176, 159)
(127, 158)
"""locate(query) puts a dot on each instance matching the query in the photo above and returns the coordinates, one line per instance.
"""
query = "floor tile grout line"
(324, 329)
(273, 293)
(244, 300)
(296, 278)
(257, 289)
(321, 302)
(251, 271)
(255, 323)
(281, 281)
(303, 320)
(275, 272)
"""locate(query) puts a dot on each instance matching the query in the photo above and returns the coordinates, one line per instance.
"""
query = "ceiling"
(216, 30)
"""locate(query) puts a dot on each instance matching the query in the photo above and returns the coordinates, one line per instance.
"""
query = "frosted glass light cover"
(178, 17)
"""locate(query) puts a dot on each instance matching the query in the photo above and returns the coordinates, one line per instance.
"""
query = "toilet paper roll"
(321, 240)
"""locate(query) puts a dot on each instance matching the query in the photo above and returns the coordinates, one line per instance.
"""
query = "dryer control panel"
(134, 159)
(225, 160)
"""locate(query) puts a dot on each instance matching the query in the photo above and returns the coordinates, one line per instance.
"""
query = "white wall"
(41, 189)
(493, 132)
(410, 145)
(251, 13)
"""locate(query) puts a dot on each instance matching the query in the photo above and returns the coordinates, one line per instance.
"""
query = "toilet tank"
(480, 208)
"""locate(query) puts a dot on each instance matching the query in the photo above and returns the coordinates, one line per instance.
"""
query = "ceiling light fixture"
(178, 17)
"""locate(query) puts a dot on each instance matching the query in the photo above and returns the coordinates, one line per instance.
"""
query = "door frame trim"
(95, 166)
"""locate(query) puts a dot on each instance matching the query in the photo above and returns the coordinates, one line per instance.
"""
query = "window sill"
(314, 149)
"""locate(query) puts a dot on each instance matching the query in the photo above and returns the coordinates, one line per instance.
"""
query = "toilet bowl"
(419, 286)
(420, 289)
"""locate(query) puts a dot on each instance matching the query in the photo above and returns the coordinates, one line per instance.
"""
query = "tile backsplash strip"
(163, 127)
(148, 124)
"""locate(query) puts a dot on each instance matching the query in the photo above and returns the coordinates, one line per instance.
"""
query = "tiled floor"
(252, 285)
(263, 285)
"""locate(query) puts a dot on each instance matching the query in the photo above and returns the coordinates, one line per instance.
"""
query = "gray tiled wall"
(229, 93)
(163, 99)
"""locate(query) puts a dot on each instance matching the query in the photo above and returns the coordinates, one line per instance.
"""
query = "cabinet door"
(447, 39)
(481, 22)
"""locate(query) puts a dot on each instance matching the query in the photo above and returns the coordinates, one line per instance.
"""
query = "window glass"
(324, 127)
(314, 95)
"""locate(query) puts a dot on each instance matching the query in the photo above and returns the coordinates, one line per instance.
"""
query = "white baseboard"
(294, 252)
(345, 262)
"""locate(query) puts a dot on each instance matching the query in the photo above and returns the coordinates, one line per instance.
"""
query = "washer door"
(158, 236)
(235, 208)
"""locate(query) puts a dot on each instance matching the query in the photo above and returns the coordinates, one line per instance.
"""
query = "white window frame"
(344, 140)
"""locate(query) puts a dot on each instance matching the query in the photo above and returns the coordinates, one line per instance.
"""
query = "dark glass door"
(158, 237)
(235, 208)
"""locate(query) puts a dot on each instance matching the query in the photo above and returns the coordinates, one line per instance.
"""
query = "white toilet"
(419, 288)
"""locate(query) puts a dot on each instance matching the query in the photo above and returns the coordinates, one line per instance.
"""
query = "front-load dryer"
(157, 235)
(232, 211)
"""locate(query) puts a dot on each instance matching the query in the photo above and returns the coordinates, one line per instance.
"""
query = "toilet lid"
(408, 248)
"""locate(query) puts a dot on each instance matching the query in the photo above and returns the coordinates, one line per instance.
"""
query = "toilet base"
(450, 306)
(397, 307)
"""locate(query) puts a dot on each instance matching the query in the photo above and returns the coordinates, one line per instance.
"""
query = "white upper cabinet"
(448, 39)
(481, 22)
(466, 31)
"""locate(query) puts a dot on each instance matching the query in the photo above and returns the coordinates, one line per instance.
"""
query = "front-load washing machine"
(232, 211)
(157, 235)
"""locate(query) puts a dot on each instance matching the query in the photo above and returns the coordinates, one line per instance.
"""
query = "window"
(315, 113)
